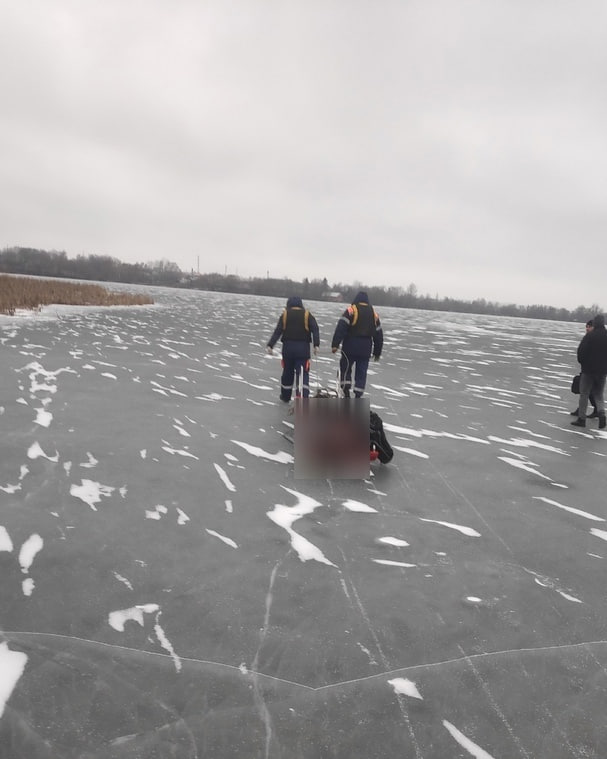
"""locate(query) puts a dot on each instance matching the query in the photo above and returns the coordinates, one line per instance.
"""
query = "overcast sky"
(457, 145)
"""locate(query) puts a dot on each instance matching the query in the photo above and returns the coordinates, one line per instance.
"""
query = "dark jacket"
(296, 328)
(592, 350)
(359, 329)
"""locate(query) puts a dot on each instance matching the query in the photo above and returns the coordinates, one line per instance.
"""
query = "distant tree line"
(16, 260)
(43, 263)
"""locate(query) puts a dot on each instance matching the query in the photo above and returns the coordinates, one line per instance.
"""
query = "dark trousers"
(295, 371)
(591, 384)
(361, 364)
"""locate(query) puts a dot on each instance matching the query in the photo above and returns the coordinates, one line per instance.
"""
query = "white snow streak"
(579, 512)
(393, 541)
(476, 751)
(406, 687)
(12, 665)
(390, 563)
(29, 550)
(519, 465)
(166, 644)
(6, 544)
(465, 530)
(224, 478)
(359, 506)
(282, 456)
(228, 541)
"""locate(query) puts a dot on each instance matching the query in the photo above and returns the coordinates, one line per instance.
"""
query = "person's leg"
(360, 375)
(306, 377)
(598, 390)
(286, 380)
(345, 374)
(302, 377)
(586, 383)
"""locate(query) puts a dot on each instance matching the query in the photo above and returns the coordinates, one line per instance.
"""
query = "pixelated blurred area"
(331, 438)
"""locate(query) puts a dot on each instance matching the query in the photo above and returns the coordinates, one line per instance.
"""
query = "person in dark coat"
(360, 335)
(296, 328)
(595, 411)
(592, 355)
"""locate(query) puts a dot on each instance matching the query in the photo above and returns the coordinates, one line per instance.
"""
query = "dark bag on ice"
(575, 385)
(378, 440)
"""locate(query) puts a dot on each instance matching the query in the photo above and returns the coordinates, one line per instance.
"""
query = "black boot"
(594, 415)
(575, 413)
(579, 423)
(602, 421)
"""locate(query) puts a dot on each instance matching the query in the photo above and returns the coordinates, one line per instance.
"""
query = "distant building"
(334, 296)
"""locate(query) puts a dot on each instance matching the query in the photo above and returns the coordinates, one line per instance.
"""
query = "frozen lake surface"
(170, 590)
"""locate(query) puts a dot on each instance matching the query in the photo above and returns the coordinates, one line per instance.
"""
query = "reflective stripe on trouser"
(295, 371)
(361, 364)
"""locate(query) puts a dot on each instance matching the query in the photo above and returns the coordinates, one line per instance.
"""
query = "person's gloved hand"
(334, 350)
(316, 350)
(269, 350)
(375, 358)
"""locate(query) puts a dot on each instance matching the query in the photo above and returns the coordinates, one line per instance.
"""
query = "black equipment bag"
(575, 385)
(377, 438)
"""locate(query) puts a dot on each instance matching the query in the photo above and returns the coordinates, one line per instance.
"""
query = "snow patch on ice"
(43, 418)
(6, 544)
(405, 687)
(578, 512)
(182, 517)
(393, 541)
(476, 751)
(224, 478)
(29, 550)
(389, 563)
(91, 492)
(282, 456)
(177, 451)
(123, 580)
(157, 512)
(35, 452)
(359, 506)
(228, 541)
(520, 465)
(27, 586)
(166, 644)
(118, 619)
(460, 528)
(91, 463)
(285, 516)
(10, 488)
(12, 665)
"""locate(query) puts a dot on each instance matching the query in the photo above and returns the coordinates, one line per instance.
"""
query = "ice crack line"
(356, 680)
(258, 698)
(495, 706)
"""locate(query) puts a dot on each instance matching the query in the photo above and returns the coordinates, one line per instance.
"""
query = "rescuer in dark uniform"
(360, 334)
(297, 328)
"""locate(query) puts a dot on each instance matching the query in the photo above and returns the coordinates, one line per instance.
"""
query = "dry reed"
(26, 293)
